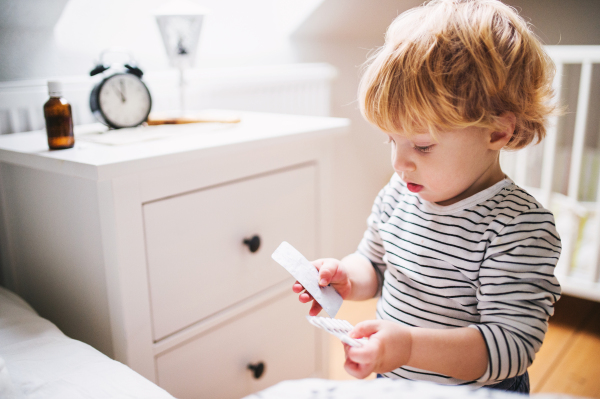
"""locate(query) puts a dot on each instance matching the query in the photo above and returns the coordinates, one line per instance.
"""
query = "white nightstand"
(139, 249)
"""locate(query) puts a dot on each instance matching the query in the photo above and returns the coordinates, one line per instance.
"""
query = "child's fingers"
(358, 370)
(318, 263)
(297, 287)
(315, 309)
(327, 269)
(351, 367)
(305, 297)
(366, 354)
(322, 266)
(360, 362)
(365, 329)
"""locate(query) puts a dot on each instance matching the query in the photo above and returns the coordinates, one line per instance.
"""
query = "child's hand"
(331, 271)
(388, 347)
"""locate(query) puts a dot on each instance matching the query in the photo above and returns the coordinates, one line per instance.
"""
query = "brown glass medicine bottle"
(59, 119)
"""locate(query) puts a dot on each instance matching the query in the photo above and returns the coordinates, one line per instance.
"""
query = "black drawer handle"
(253, 243)
(257, 369)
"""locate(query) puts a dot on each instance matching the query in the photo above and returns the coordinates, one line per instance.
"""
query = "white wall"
(43, 38)
(560, 22)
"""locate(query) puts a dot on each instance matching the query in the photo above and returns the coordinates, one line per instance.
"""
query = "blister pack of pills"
(339, 328)
(307, 275)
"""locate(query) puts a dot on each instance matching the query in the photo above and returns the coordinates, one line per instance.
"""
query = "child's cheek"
(444, 180)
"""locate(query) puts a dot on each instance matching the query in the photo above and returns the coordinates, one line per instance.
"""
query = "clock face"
(124, 100)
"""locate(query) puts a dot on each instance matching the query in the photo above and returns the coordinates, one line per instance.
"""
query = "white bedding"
(382, 388)
(38, 361)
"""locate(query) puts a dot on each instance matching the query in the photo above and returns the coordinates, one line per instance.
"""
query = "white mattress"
(383, 388)
(38, 361)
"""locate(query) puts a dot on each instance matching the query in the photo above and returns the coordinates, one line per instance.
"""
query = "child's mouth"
(414, 188)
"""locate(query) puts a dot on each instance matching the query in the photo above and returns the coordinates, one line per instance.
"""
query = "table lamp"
(180, 23)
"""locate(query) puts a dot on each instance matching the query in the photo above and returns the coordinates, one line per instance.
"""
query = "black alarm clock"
(121, 99)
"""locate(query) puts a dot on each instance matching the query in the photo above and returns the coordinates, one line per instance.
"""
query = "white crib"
(563, 172)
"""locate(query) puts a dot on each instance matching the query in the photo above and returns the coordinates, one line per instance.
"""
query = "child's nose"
(401, 161)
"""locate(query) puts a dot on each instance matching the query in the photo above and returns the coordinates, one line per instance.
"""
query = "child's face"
(458, 164)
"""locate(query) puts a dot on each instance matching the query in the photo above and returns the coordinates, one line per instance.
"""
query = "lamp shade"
(180, 23)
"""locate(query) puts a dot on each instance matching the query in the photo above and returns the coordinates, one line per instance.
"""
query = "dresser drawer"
(215, 364)
(197, 262)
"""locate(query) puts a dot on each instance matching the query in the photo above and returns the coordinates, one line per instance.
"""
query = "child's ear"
(499, 138)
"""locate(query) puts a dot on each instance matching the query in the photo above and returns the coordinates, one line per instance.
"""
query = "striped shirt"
(485, 262)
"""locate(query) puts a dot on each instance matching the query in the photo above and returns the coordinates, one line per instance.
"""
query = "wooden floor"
(568, 362)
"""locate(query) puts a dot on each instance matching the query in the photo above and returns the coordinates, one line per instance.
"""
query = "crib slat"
(550, 143)
(596, 258)
(595, 275)
(580, 125)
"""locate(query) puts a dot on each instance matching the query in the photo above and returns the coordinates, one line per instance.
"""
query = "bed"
(382, 388)
(38, 361)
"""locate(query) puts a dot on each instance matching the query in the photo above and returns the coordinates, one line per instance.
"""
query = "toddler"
(461, 257)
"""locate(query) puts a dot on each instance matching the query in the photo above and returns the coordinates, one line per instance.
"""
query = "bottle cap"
(54, 88)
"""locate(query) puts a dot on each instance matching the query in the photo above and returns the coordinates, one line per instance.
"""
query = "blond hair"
(458, 63)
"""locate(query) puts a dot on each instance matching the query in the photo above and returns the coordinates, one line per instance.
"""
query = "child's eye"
(424, 149)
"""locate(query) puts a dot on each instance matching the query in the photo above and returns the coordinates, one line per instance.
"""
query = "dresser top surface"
(89, 156)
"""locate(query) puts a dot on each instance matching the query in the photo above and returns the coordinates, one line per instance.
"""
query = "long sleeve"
(517, 292)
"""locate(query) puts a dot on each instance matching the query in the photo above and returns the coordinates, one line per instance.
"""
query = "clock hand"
(122, 91)
(120, 94)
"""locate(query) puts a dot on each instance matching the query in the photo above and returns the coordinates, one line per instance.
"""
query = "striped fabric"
(486, 262)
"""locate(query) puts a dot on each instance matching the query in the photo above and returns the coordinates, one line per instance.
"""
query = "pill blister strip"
(339, 328)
